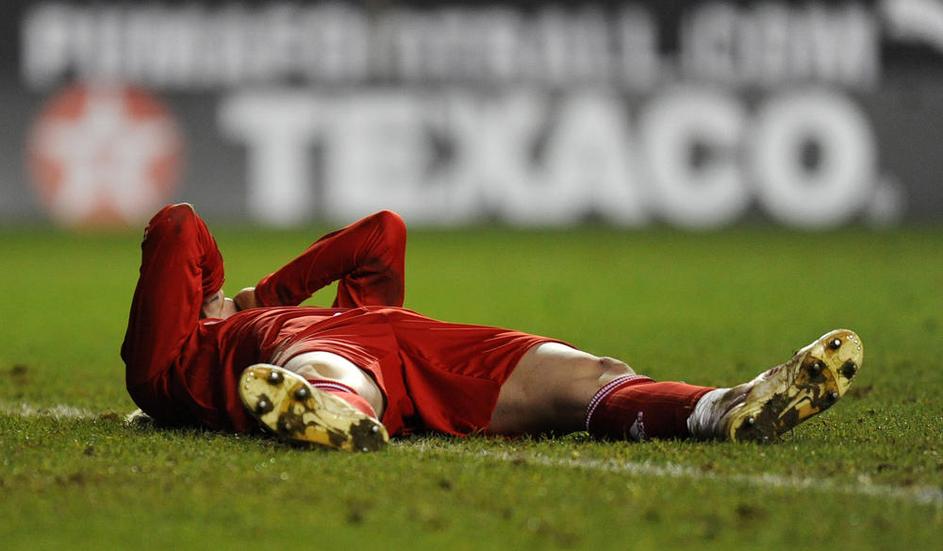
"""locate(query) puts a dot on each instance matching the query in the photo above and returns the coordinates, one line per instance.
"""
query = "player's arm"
(181, 268)
(367, 258)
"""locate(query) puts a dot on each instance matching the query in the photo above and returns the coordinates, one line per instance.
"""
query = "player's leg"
(317, 397)
(180, 268)
(557, 388)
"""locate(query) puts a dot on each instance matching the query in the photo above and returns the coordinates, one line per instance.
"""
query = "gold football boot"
(286, 404)
(788, 394)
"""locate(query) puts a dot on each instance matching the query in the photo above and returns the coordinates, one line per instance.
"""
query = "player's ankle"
(704, 421)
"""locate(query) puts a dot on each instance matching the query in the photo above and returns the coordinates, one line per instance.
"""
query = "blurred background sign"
(695, 114)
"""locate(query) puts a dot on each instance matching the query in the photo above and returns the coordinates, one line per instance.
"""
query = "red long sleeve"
(367, 257)
(180, 265)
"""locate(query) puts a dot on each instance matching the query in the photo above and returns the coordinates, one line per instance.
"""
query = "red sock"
(635, 407)
(345, 393)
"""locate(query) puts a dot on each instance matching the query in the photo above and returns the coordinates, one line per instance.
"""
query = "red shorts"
(434, 375)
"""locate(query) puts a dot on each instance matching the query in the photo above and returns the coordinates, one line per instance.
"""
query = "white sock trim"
(700, 422)
(331, 385)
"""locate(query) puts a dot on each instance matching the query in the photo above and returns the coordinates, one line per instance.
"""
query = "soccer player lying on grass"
(349, 376)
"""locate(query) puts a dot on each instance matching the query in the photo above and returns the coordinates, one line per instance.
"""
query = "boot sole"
(287, 405)
(816, 377)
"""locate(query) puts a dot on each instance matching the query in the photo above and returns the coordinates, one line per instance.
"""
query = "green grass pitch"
(711, 308)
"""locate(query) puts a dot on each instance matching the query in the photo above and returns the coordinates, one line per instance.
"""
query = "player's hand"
(213, 305)
(245, 299)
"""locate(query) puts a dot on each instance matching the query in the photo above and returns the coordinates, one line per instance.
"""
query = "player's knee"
(583, 378)
(589, 376)
(612, 367)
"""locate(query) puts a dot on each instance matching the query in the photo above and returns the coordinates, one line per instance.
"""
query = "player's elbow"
(392, 224)
(172, 220)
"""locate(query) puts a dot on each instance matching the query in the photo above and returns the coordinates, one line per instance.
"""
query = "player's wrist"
(246, 299)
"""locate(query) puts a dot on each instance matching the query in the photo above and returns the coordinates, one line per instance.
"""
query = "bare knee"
(612, 368)
(587, 375)
(571, 365)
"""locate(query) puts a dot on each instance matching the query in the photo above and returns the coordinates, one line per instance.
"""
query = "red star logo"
(104, 156)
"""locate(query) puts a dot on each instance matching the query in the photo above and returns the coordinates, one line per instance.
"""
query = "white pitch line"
(58, 411)
(923, 495)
